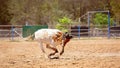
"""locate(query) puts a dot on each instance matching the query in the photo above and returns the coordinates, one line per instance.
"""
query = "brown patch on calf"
(58, 37)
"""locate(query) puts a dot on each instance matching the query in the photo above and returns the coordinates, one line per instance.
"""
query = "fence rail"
(16, 31)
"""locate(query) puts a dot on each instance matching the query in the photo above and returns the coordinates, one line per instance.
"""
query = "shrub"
(63, 24)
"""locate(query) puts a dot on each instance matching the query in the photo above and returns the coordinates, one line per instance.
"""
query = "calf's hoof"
(55, 57)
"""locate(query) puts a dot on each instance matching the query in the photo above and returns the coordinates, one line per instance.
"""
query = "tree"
(101, 20)
(5, 17)
(24, 11)
(116, 9)
(63, 23)
(49, 11)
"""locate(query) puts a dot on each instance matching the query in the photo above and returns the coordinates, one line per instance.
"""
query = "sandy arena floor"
(103, 53)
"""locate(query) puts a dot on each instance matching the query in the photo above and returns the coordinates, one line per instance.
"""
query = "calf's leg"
(52, 48)
(62, 51)
(64, 42)
(41, 47)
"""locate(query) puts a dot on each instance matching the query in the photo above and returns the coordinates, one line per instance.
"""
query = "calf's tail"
(29, 38)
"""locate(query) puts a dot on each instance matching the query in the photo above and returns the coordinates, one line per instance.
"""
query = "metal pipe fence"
(15, 32)
(10, 32)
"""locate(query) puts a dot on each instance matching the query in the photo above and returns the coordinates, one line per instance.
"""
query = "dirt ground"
(102, 53)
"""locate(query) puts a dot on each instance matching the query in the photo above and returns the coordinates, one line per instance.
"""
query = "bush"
(102, 20)
(63, 23)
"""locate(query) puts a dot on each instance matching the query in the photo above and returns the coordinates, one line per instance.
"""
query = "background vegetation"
(101, 20)
(18, 12)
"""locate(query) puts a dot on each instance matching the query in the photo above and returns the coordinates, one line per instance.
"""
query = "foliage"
(63, 23)
(23, 11)
(116, 9)
(102, 19)
(5, 17)
(65, 20)
(49, 11)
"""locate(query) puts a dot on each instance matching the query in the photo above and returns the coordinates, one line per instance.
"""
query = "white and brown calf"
(52, 38)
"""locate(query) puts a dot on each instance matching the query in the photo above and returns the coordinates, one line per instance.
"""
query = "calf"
(52, 38)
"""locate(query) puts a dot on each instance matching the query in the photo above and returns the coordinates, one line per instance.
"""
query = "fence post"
(88, 20)
(12, 33)
(79, 31)
(108, 24)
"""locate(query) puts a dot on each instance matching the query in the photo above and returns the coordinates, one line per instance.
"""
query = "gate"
(29, 30)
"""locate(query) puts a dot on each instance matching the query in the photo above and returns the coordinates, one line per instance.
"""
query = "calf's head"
(66, 38)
